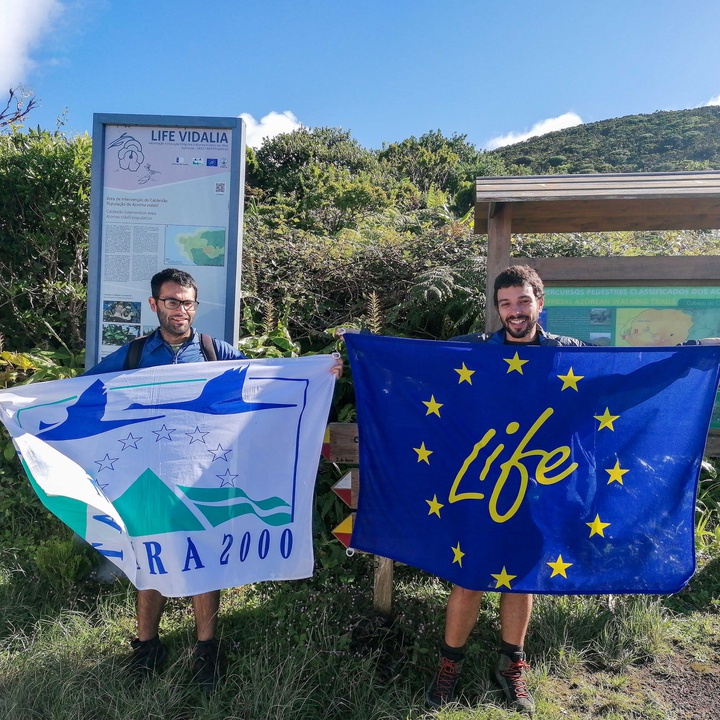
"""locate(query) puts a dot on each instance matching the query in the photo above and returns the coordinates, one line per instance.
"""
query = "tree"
(431, 160)
(319, 180)
(285, 162)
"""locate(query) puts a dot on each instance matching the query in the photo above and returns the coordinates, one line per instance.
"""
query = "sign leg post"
(382, 595)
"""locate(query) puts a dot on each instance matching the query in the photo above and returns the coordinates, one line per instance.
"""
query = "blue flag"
(532, 469)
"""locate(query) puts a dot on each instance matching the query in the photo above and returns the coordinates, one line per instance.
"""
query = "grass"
(315, 650)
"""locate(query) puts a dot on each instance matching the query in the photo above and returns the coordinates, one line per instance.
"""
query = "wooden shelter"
(594, 203)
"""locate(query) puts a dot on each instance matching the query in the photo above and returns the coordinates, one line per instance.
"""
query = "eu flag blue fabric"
(532, 469)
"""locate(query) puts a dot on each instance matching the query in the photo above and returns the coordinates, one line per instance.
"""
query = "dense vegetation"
(332, 228)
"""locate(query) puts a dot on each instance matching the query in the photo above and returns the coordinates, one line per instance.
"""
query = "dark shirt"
(499, 338)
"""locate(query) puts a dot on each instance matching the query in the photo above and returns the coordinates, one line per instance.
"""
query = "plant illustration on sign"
(131, 157)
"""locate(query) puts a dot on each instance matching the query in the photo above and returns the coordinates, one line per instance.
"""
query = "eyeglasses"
(174, 304)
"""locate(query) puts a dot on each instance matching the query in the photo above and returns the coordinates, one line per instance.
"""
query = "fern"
(269, 321)
(374, 314)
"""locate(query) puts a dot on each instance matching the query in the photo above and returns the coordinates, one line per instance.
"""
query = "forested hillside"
(660, 142)
(334, 233)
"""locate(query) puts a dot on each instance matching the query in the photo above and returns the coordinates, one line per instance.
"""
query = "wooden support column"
(498, 256)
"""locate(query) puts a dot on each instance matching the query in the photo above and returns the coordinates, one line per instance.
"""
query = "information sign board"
(639, 316)
(166, 192)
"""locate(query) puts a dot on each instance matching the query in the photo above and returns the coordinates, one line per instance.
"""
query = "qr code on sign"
(220, 188)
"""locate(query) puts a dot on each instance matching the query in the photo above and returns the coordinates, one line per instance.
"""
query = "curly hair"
(517, 276)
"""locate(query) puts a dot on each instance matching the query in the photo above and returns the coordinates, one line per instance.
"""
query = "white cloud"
(23, 23)
(713, 101)
(543, 127)
(272, 124)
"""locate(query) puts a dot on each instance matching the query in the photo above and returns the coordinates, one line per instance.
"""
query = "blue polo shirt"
(157, 352)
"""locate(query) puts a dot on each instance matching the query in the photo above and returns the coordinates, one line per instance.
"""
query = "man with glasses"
(174, 300)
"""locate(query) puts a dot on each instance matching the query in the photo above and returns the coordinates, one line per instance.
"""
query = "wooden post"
(341, 446)
(383, 588)
(498, 256)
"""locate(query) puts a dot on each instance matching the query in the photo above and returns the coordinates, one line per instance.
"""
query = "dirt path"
(690, 689)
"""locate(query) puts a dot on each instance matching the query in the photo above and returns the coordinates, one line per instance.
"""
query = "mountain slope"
(660, 142)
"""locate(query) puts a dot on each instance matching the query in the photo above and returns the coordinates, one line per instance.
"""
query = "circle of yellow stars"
(570, 381)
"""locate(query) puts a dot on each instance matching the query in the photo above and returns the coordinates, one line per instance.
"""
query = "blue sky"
(382, 69)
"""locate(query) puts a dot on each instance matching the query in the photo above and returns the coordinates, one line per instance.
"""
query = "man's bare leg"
(150, 606)
(460, 618)
(206, 607)
(515, 613)
(149, 653)
(461, 615)
(209, 659)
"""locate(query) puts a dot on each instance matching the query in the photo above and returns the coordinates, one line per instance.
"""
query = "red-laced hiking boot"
(510, 675)
(442, 687)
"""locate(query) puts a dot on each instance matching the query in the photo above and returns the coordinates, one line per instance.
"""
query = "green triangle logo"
(149, 507)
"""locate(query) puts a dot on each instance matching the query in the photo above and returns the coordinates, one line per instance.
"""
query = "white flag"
(189, 477)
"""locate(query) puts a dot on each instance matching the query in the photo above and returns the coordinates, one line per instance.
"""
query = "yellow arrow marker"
(343, 532)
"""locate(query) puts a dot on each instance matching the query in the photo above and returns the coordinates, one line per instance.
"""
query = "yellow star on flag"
(597, 527)
(616, 473)
(432, 406)
(503, 579)
(435, 506)
(423, 453)
(459, 554)
(559, 567)
(515, 363)
(465, 374)
(606, 419)
(570, 380)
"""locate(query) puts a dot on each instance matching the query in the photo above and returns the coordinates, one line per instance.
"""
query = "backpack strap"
(207, 345)
(132, 359)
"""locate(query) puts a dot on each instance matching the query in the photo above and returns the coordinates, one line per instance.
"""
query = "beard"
(175, 327)
(518, 334)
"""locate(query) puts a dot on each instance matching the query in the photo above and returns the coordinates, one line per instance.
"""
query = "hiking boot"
(442, 687)
(208, 665)
(147, 657)
(510, 675)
